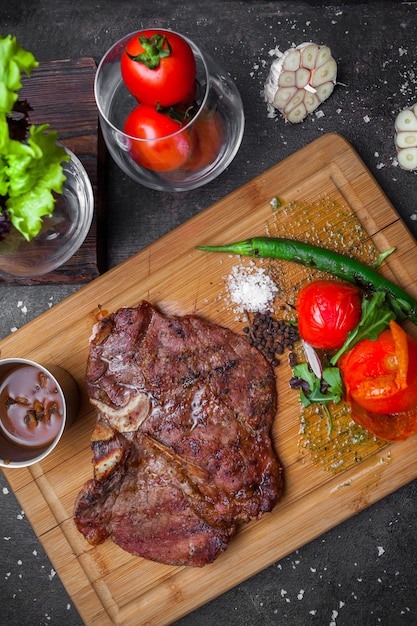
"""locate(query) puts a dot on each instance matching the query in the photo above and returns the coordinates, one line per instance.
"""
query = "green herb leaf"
(376, 316)
(331, 391)
(332, 376)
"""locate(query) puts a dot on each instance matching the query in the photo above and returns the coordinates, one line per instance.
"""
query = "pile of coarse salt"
(250, 288)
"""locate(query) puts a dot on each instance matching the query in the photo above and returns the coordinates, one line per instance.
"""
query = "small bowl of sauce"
(36, 405)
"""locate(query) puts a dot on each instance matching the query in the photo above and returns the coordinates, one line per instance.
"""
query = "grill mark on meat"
(199, 461)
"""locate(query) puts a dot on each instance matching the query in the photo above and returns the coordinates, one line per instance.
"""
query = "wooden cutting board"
(109, 586)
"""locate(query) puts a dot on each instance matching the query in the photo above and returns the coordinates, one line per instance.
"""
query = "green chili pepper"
(344, 267)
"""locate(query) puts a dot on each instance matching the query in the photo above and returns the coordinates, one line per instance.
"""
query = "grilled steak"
(181, 448)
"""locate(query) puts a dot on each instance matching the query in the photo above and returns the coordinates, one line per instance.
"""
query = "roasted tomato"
(327, 311)
(158, 67)
(166, 148)
(380, 378)
(207, 137)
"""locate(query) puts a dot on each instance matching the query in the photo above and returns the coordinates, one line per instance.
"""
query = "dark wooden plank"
(61, 94)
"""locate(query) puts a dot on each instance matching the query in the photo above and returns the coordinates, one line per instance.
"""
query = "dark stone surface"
(363, 571)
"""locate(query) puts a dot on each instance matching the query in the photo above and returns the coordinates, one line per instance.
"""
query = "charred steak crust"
(181, 450)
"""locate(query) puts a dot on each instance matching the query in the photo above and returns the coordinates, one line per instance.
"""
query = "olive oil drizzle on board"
(340, 447)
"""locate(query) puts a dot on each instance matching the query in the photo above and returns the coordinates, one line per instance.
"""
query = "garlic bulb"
(406, 138)
(300, 80)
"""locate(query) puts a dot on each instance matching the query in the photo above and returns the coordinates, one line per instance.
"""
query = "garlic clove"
(324, 91)
(302, 77)
(406, 120)
(407, 158)
(406, 140)
(323, 55)
(292, 60)
(311, 102)
(288, 79)
(309, 56)
(324, 73)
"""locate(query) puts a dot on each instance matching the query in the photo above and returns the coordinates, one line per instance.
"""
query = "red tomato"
(158, 67)
(207, 136)
(381, 383)
(327, 311)
(164, 150)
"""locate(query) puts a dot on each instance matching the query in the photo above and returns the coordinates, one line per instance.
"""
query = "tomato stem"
(156, 47)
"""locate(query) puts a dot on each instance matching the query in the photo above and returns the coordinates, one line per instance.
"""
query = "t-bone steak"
(181, 449)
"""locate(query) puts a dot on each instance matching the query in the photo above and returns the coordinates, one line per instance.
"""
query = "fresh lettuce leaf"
(30, 170)
(13, 60)
(34, 171)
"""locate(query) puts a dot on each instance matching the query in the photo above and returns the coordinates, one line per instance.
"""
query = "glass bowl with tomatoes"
(171, 118)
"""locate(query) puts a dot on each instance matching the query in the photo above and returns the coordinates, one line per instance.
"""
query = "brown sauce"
(30, 407)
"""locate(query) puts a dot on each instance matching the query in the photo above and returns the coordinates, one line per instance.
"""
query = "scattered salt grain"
(52, 574)
(251, 289)
(380, 550)
(22, 307)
